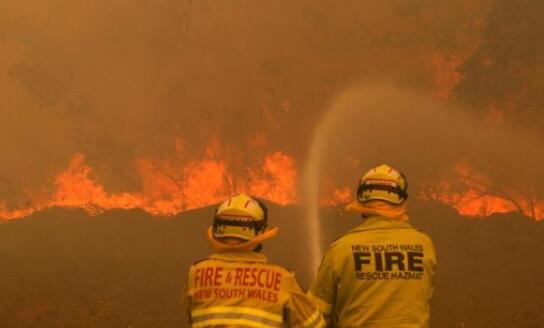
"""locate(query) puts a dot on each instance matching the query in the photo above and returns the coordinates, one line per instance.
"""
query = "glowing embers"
(169, 187)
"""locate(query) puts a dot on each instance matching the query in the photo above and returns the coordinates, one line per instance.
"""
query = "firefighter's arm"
(300, 311)
(323, 290)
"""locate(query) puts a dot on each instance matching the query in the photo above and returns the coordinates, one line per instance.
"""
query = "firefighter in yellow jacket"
(379, 274)
(236, 286)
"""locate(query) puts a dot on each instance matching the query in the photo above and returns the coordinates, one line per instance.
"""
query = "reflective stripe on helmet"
(230, 315)
(383, 183)
(240, 217)
(242, 205)
(403, 195)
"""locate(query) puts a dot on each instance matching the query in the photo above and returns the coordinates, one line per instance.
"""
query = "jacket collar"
(379, 223)
(240, 257)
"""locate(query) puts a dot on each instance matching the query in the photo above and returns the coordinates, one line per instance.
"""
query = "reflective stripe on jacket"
(240, 289)
(379, 274)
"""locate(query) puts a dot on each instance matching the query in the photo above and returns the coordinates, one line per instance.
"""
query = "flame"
(474, 194)
(170, 189)
(276, 180)
(76, 188)
(470, 202)
(8, 214)
(167, 187)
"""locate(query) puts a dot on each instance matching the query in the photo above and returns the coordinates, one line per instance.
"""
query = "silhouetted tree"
(506, 68)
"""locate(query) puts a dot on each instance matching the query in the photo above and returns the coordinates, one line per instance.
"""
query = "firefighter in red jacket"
(236, 286)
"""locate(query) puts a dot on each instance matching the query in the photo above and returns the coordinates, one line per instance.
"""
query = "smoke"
(373, 124)
(379, 123)
(122, 80)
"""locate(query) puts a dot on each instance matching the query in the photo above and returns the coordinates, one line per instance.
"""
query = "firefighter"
(379, 274)
(236, 286)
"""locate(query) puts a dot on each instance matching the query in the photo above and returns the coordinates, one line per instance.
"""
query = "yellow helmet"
(240, 217)
(383, 183)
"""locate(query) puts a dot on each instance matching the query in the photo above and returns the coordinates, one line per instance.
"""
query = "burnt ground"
(60, 268)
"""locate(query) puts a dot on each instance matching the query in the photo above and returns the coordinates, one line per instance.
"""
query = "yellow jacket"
(379, 274)
(240, 289)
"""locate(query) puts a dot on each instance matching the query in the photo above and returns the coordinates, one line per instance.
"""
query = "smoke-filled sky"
(370, 124)
(122, 80)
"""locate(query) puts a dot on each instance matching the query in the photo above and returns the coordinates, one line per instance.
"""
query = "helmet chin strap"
(244, 246)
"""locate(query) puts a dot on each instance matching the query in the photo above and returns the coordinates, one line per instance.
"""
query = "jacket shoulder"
(346, 236)
(422, 233)
(425, 236)
(360, 235)
(278, 267)
(201, 261)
